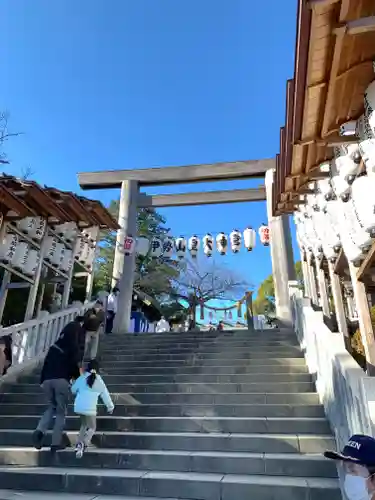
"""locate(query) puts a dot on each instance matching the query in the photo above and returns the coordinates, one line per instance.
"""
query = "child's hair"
(92, 369)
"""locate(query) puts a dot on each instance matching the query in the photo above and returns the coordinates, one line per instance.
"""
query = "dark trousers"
(109, 323)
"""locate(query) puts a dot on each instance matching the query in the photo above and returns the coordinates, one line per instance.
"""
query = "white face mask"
(355, 488)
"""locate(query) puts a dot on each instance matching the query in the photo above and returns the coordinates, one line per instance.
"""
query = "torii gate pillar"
(124, 265)
(281, 255)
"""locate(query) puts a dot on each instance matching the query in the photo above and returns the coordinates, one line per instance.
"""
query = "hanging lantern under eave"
(249, 237)
(67, 260)
(142, 246)
(26, 225)
(168, 247)
(20, 256)
(58, 255)
(193, 246)
(32, 263)
(8, 247)
(222, 243)
(264, 235)
(235, 241)
(208, 243)
(156, 248)
(51, 246)
(180, 247)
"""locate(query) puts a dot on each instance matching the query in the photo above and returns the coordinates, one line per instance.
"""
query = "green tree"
(152, 276)
(264, 302)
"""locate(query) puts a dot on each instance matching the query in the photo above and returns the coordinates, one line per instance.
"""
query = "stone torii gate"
(129, 181)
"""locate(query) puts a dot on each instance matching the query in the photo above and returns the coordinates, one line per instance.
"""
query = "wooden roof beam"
(320, 3)
(359, 26)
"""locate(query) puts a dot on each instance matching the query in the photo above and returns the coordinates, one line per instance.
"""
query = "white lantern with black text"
(20, 256)
(142, 246)
(58, 255)
(222, 243)
(26, 225)
(51, 247)
(264, 235)
(68, 231)
(168, 247)
(193, 246)
(8, 247)
(90, 257)
(91, 233)
(67, 260)
(39, 229)
(32, 263)
(208, 244)
(180, 247)
(79, 248)
(235, 240)
(156, 248)
(249, 237)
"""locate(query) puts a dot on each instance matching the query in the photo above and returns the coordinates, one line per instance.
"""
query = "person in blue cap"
(358, 459)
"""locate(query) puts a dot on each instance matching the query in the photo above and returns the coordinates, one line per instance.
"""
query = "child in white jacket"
(87, 389)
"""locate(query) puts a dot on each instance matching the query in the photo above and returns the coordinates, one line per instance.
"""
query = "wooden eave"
(19, 199)
(335, 50)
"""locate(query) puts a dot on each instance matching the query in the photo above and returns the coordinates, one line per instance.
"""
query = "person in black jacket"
(61, 364)
(94, 320)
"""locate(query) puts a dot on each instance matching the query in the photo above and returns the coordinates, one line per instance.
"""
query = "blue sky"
(111, 84)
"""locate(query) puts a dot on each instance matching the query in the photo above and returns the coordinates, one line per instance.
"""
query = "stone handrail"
(347, 393)
(31, 339)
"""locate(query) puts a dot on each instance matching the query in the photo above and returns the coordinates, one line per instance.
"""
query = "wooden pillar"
(324, 301)
(364, 318)
(338, 302)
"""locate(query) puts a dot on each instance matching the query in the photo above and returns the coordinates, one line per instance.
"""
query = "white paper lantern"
(51, 247)
(8, 247)
(168, 247)
(79, 248)
(193, 246)
(67, 260)
(208, 243)
(142, 246)
(26, 225)
(249, 237)
(91, 233)
(156, 248)
(20, 256)
(235, 240)
(264, 235)
(68, 231)
(91, 257)
(32, 263)
(180, 247)
(58, 255)
(39, 229)
(222, 243)
(85, 253)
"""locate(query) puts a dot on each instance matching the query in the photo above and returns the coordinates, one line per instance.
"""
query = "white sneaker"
(79, 450)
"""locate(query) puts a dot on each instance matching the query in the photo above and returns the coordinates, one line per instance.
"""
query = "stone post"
(281, 256)
(124, 265)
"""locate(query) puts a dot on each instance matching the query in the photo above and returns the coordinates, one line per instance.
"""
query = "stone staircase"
(203, 416)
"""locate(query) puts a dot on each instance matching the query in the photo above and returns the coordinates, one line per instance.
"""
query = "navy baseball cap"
(360, 449)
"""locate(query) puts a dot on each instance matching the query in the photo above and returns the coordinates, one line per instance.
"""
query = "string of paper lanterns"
(167, 246)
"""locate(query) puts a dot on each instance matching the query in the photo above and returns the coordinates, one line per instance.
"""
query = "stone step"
(243, 425)
(108, 365)
(189, 441)
(186, 398)
(161, 410)
(194, 388)
(184, 485)
(298, 367)
(172, 350)
(222, 355)
(180, 378)
(176, 461)
(203, 344)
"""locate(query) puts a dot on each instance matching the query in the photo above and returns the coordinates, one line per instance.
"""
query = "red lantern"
(264, 235)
